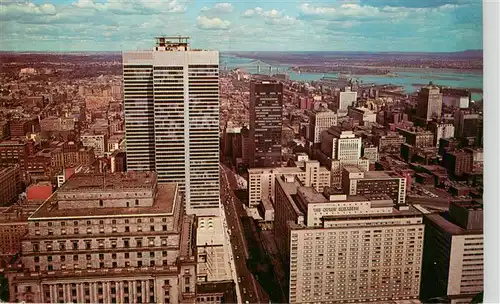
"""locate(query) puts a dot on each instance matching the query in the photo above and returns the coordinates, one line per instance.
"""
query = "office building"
(458, 163)
(364, 116)
(261, 180)
(16, 152)
(430, 103)
(357, 182)
(266, 111)
(99, 142)
(340, 144)
(13, 227)
(467, 124)
(341, 249)
(391, 142)
(10, 185)
(171, 100)
(456, 98)
(417, 137)
(441, 130)
(320, 120)
(453, 260)
(347, 98)
(340, 147)
(118, 238)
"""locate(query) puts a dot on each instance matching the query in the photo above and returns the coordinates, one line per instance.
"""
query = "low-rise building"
(105, 239)
(97, 141)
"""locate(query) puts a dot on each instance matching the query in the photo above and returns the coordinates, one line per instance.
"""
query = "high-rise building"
(358, 182)
(171, 101)
(453, 260)
(430, 103)
(261, 180)
(320, 120)
(344, 249)
(118, 238)
(266, 111)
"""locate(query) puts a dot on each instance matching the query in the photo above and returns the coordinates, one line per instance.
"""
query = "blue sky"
(274, 25)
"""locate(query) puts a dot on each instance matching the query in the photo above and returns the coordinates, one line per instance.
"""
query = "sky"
(243, 25)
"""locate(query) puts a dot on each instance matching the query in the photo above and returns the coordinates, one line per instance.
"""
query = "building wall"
(356, 263)
(10, 184)
(319, 122)
(262, 181)
(182, 146)
(266, 111)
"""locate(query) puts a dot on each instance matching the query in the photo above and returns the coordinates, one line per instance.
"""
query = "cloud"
(13, 11)
(253, 12)
(354, 11)
(216, 23)
(220, 8)
(133, 7)
(271, 17)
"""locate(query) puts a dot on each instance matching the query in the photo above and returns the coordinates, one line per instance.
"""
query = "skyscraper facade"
(430, 103)
(266, 103)
(171, 98)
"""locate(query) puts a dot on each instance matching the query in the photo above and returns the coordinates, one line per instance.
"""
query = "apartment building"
(453, 260)
(346, 249)
(116, 238)
(261, 180)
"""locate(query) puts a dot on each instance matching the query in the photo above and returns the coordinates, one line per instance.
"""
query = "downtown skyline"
(349, 25)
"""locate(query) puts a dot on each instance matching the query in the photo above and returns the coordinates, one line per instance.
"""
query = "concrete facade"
(261, 180)
(85, 245)
(341, 248)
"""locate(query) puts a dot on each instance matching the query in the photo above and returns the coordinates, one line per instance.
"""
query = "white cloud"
(131, 7)
(253, 12)
(216, 23)
(14, 11)
(355, 11)
(222, 8)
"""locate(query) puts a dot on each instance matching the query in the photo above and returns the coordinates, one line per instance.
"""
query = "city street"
(250, 290)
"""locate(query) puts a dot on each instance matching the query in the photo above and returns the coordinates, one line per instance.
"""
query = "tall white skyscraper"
(171, 98)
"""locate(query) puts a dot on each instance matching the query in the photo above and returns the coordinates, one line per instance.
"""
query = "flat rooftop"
(163, 204)
(450, 227)
(410, 212)
(107, 182)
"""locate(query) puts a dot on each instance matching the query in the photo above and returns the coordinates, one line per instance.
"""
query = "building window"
(101, 203)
